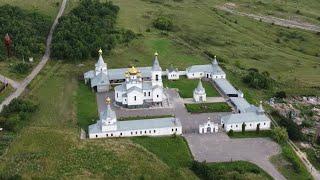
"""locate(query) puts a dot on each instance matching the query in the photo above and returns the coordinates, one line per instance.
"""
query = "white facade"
(138, 92)
(173, 73)
(108, 126)
(210, 71)
(199, 93)
(250, 126)
(208, 127)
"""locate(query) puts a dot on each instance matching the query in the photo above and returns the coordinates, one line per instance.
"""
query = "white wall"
(157, 95)
(139, 132)
(132, 100)
(195, 75)
(173, 75)
(250, 126)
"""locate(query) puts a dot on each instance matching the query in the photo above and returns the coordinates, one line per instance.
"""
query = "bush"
(280, 94)
(280, 135)
(21, 68)
(28, 31)
(258, 80)
(163, 23)
(292, 158)
(202, 170)
(15, 113)
(230, 133)
(86, 28)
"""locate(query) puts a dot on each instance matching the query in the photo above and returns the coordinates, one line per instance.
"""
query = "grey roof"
(119, 88)
(199, 88)
(115, 74)
(100, 79)
(146, 85)
(108, 113)
(156, 87)
(134, 88)
(244, 117)
(156, 65)
(89, 74)
(241, 103)
(148, 124)
(172, 69)
(135, 125)
(100, 62)
(225, 86)
(200, 68)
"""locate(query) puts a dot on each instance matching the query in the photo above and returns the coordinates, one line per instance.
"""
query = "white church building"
(108, 126)
(199, 93)
(136, 92)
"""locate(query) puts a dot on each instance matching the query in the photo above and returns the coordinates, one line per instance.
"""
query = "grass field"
(251, 134)
(49, 147)
(46, 7)
(186, 86)
(292, 62)
(5, 93)
(208, 107)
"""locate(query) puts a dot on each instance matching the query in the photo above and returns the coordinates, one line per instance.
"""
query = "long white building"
(211, 71)
(108, 126)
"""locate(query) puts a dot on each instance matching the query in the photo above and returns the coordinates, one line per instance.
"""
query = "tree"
(230, 133)
(258, 128)
(163, 23)
(280, 135)
(280, 94)
(243, 127)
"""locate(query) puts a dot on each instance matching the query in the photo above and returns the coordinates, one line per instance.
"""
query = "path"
(41, 64)
(274, 20)
(219, 147)
(303, 157)
(12, 83)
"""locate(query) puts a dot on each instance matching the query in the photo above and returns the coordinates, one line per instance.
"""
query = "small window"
(157, 95)
(120, 134)
(131, 132)
(117, 95)
(172, 130)
(96, 135)
(136, 132)
(145, 94)
(176, 129)
(111, 134)
(150, 131)
(107, 135)
(145, 132)
(236, 125)
(250, 124)
(154, 131)
(149, 94)
(140, 132)
(135, 98)
(264, 123)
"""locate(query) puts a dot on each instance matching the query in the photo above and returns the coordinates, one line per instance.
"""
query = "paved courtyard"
(216, 147)
(219, 147)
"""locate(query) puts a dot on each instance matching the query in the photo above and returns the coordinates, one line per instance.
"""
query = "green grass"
(87, 110)
(174, 150)
(46, 7)
(186, 86)
(199, 27)
(238, 170)
(5, 93)
(251, 134)
(312, 158)
(49, 146)
(285, 163)
(208, 107)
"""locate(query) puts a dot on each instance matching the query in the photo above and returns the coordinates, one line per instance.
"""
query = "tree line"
(28, 31)
(87, 28)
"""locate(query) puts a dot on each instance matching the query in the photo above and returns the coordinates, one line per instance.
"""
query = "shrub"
(280, 135)
(293, 129)
(258, 80)
(21, 68)
(15, 113)
(163, 23)
(243, 127)
(202, 170)
(230, 133)
(280, 94)
(292, 158)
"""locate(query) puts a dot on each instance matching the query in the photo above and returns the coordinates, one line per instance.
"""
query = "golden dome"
(108, 100)
(156, 53)
(100, 51)
(133, 71)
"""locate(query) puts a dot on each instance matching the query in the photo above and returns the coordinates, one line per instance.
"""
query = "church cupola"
(156, 71)
(100, 66)
(108, 117)
(215, 62)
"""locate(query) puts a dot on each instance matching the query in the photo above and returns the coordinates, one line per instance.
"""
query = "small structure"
(173, 73)
(199, 93)
(210, 71)
(108, 126)
(208, 127)
(252, 117)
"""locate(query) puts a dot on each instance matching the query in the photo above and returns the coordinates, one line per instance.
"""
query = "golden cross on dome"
(108, 100)
(100, 51)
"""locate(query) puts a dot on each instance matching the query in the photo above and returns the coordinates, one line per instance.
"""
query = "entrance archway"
(208, 129)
